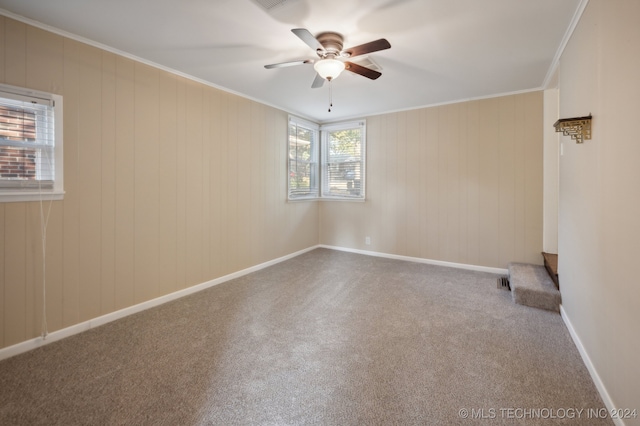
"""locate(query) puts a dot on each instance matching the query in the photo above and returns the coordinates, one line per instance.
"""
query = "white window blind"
(343, 160)
(31, 156)
(302, 159)
(27, 141)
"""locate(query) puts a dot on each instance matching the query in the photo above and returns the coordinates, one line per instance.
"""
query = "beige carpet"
(327, 338)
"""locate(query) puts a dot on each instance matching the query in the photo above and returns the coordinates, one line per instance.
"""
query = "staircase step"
(532, 286)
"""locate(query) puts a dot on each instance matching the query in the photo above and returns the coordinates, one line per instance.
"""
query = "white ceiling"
(442, 51)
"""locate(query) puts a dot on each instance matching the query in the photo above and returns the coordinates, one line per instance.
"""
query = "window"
(303, 159)
(343, 160)
(326, 161)
(30, 145)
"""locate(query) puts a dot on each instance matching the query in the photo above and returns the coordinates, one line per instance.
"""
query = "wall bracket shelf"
(579, 128)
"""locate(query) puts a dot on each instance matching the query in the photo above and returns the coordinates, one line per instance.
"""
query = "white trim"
(35, 195)
(28, 345)
(37, 342)
(420, 260)
(90, 42)
(127, 55)
(325, 131)
(314, 147)
(435, 104)
(602, 390)
(563, 43)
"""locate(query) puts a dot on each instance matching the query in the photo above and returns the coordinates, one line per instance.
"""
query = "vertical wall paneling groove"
(422, 183)
(521, 112)
(506, 172)
(206, 183)
(255, 196)
(432, 232)
(390, 205)
(181, 184)
(242, 174)
(71, 233)
(108, 183)
(232, 182)
(472, 184)
(490, 177)
(168, 146)
(15, 273)
(412, 173)
(89, 182)
(463, 182)
(124, 183)
(215, 178)
(222, 164)
(146, 189)
(533, 183)
(194, 183)
(401, 186)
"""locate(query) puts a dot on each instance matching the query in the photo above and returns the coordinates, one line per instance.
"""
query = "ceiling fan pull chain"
(330, 96)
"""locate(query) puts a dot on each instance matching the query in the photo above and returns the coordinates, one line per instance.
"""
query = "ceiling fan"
(329, 48)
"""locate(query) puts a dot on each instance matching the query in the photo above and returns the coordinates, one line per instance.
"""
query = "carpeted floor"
(326, 338)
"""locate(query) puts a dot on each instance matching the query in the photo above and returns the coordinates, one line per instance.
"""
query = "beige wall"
(550, 172)
(458, 183)
(169, 183)
(599, 208)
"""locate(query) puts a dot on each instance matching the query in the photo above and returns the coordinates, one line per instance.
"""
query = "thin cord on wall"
(44, 221)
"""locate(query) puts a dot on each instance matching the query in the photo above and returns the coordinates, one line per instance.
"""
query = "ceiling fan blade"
(317, 82)
(363, 71)
(308, 38)
(289, 64)
(372, 46)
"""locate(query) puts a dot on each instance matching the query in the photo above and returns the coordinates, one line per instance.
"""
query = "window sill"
(353, 200)
(22, 196)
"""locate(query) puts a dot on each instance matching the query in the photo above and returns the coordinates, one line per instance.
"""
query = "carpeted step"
(531, 285)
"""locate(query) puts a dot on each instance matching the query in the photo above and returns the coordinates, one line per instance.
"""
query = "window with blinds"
(326, 161)
(303, 159)
(28, 156)
(343, 160)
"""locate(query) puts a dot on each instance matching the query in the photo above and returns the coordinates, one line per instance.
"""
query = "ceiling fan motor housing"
(332, 43)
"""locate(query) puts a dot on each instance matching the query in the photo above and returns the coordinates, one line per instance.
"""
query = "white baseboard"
(30, 344)
(420, 260)
(104, 319)
(602, 390)
(54, 336)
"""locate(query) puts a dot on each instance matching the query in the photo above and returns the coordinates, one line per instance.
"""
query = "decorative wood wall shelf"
(579, 128)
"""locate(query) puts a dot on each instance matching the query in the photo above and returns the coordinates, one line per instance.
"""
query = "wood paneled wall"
(169, 183)
(458, 183)
(599, 203)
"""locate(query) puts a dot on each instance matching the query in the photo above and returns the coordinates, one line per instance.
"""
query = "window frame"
(320, 157)
(325, 130)
(35, 192)
(314, 172)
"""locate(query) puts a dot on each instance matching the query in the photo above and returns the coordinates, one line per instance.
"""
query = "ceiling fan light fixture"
(329, 68)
